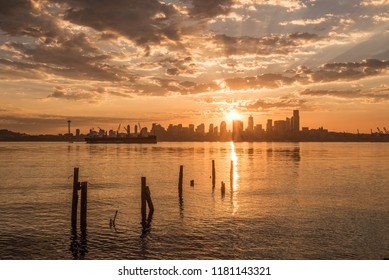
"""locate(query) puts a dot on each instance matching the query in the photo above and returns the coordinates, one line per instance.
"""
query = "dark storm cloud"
(267, 45)
(210, 9)
(144, 22)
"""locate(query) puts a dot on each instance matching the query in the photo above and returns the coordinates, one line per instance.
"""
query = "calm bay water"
(288, 201)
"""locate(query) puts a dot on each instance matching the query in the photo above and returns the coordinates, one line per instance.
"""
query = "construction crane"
(379, 130)
(117, 132)
(140, 128)
(387, 132)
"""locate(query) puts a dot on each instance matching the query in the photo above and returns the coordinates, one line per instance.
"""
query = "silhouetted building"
(269, 126)
(77, 132)
(237, 130)
(191, 129)
(258, 129)
(250, 126)
(296, 121)
(200, 129)
(223, 128)
(210, 130)
(288, 125)
(279, 126)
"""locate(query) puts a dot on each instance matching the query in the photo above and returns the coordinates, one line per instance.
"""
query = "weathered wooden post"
(180, 179)
(232, 173)
(143, 199)
(223, 189)
(149, 201)
(84, 205)
(76, 186)
(192, 183)
(213, 174)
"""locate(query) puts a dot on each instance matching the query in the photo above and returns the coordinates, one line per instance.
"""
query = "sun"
(233, 115)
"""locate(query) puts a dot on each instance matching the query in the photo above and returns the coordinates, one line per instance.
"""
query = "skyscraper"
(250, 127)
(210, 130)
(223, 128)
(269, 126)
(296, 121)
(237, 130)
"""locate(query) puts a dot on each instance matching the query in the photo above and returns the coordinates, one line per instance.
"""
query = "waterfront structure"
(296, 121)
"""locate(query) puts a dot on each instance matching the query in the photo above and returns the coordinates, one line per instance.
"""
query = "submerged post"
(149, 201)
(223, 189)
(84, 206)
(180, 180)
(232, 173)
(76, 186)
(143, 200)
(213, 174)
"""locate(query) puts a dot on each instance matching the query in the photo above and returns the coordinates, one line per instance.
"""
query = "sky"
(101, 63)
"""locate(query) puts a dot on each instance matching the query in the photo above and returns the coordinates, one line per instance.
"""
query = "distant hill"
(6, 134)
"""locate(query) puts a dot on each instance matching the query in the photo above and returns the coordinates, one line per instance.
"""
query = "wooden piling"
(223, 189)
(143, 199)
(180, 180)
(231, 173)
(114, 218)
(149, 201)
(84, 205)
(76, 186)
(192, 183)
(213, 174)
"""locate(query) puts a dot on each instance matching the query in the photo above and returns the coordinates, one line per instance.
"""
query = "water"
(288, 201)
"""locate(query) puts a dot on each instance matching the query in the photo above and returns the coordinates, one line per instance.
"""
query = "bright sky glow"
(101, 63)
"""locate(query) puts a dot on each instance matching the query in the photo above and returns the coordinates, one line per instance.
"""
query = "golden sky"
(103, 62)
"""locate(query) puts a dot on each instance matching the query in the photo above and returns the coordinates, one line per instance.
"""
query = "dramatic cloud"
(144, 22)
(209, 9)
(375, 95)
(158, 54)
(268, 45)
(264, 105)
(350, 71)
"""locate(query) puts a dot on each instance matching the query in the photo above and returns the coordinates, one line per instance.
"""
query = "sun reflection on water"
(234, 179)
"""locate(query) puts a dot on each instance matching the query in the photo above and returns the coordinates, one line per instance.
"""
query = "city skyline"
(177, 61)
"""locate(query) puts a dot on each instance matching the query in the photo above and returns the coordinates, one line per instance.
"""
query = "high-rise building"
(223, 128)
(296, 121)
(250, 127)
(279, 126)
(288, 124)
(210, 131)
(191, 129)
(269, 125)
(237, 130)
(200, 129)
